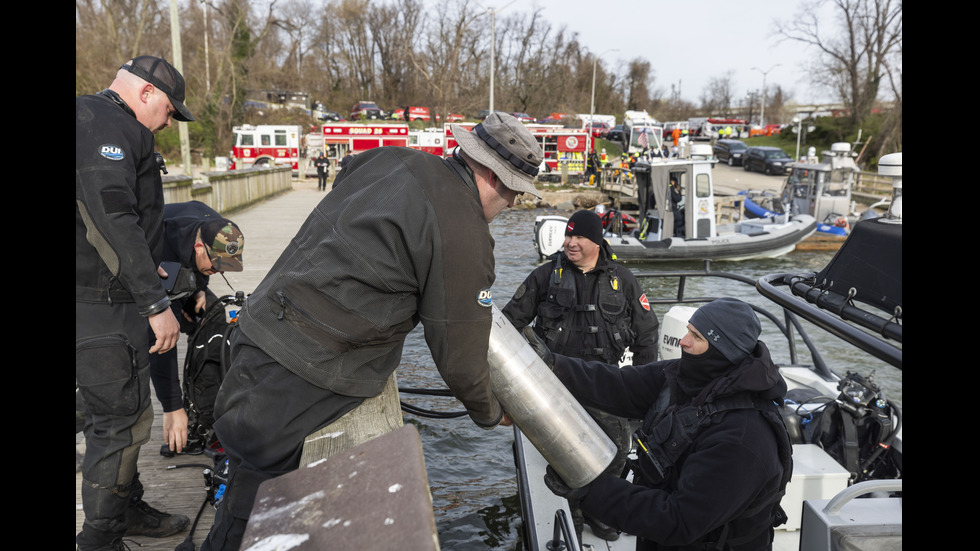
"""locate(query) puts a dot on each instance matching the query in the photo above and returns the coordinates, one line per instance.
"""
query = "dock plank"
(174, 485)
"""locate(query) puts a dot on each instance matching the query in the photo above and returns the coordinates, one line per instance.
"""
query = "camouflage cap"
(225, 244)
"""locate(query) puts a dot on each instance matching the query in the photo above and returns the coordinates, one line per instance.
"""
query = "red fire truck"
(430, 140)
(266, 144)
(560, 145)
(341, 139)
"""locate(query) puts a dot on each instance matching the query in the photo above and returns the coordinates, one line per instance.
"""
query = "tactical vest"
(559, 326)
(665, 437)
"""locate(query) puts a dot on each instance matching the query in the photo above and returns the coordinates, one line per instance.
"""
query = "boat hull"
(763, 240)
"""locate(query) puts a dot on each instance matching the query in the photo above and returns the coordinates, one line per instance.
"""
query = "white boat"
(838, 492)
(700, 236)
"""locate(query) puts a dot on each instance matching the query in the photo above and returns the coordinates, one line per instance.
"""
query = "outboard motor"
(672, 330)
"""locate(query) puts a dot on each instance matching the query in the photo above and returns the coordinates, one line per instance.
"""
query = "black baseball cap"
(163, 75)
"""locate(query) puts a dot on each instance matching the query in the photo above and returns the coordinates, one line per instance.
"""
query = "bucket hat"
(505, 146)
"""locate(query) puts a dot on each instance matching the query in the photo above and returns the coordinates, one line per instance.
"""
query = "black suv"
(615, 133)
(730, 151)
(771, 160)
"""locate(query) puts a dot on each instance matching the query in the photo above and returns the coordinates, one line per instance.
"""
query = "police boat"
(688, 229)
(846, 487)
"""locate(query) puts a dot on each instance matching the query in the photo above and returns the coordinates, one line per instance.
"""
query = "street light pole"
(592, 109)
(764, 73)
(493, 40)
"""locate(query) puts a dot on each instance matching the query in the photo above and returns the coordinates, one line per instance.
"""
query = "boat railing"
(562, 538)
(837, 314)
(789, 325)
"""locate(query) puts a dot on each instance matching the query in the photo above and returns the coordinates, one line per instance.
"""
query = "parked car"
(730, 151)
(363, 110)
(454, 117)
(615, 134)
(771, 160)
(329, 116)
(599, 129)
(523, 117)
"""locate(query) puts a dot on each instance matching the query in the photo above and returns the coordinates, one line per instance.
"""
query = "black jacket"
(118, 206)
(732, 467)
(181, 224)
(621, 318)
(404, 239)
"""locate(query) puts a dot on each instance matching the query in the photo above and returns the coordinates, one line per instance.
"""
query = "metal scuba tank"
(545, 411)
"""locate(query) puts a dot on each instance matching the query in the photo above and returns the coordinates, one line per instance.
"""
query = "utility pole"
(493, 41)
(764, 73)
(185, 147)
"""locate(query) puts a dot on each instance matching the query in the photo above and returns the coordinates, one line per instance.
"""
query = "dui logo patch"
(485, 298)
(112, 152)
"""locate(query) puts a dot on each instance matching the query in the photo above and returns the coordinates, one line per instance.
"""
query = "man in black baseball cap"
(119, 296)
(163, 75)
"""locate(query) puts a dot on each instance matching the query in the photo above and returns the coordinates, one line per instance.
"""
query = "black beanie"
(586, 224)
(729, 325)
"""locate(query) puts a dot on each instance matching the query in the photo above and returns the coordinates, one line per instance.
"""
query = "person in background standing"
(322, 171)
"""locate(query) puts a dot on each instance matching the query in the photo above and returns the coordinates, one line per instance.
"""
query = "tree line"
(394, 52)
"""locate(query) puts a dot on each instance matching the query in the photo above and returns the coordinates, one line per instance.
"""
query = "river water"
(471, 470)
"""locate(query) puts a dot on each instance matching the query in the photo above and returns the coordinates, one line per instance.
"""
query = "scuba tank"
(545, 411)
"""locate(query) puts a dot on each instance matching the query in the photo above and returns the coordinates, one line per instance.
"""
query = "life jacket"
(666, 436)
(559, 324)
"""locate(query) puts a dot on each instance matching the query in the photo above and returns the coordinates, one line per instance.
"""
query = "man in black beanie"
(714, 455)
(585, 305)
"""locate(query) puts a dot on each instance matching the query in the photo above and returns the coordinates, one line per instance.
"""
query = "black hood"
(757, 375)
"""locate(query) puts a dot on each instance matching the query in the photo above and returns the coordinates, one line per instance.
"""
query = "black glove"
(539, 346)
(560, 488)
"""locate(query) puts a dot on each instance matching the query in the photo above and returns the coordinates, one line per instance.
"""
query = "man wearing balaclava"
(587, 306)
(714, 456)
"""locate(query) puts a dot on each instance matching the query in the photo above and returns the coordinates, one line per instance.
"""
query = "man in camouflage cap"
(203, 243)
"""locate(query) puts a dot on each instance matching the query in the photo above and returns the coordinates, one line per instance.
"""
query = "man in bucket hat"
(403, 237)
(202, 243)
(118, 292)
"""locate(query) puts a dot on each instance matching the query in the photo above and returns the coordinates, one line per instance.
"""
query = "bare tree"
(718, 97)
(110, 32)
(638, 82)
(862, 55)
(448, 62)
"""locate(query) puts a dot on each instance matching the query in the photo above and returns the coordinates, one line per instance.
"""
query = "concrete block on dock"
(373, 496)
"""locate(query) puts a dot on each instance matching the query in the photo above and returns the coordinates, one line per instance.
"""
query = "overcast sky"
(688, 43)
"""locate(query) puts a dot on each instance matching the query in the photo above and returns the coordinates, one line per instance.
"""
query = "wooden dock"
(174, 490)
